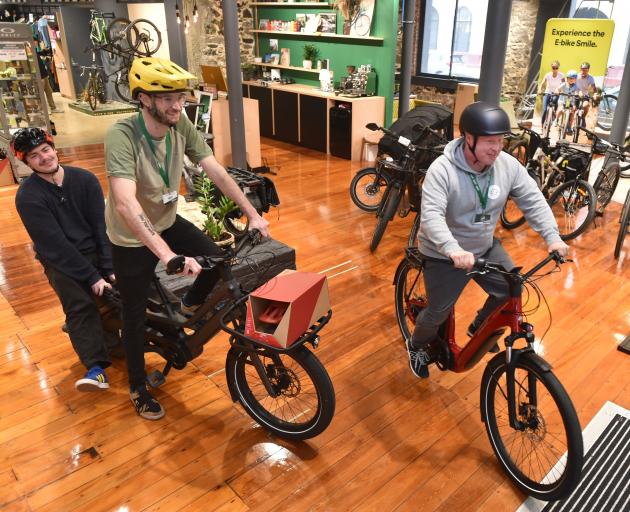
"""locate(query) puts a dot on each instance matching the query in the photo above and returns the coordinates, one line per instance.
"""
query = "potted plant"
(310, 53)
(216, 208)
(249, 71)
(347, 8)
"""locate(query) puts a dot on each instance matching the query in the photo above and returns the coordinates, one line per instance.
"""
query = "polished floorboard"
(395, 443)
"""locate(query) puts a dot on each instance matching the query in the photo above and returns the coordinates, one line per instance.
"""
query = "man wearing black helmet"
(62, 208)
(462, 196)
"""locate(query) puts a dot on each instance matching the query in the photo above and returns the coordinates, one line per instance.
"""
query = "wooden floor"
(395, 443)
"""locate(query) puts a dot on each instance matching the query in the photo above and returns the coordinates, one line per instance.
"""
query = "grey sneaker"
(418, 360)
(146, 406)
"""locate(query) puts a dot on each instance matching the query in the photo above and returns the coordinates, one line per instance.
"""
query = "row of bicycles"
(118, 42)
(562, 173)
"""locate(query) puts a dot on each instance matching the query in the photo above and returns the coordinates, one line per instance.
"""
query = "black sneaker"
(472, 328)
(146, 406)
(418, 361)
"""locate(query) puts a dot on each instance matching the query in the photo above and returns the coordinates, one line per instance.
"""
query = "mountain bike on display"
(530, 420)
(285, 390)
(95, 88)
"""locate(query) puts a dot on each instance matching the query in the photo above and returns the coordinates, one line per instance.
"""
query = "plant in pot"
(310, 53)
(216, 207)
(348, 9)
(249, 71)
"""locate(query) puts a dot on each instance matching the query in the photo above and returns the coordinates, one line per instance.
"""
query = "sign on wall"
(573, 41)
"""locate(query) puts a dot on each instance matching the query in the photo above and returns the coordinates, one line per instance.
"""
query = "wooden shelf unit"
(292, 68)
(325, 35)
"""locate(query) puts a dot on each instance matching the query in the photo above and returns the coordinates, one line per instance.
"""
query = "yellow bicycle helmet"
(150, 74)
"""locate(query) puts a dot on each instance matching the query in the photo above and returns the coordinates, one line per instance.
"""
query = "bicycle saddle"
(273, 313)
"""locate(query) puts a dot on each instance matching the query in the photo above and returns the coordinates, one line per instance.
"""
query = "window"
(462, 30)
(452, 38)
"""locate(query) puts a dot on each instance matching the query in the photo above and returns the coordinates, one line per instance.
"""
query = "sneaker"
(188, 310)
(418, 361)
(93, 380)
(146, 406)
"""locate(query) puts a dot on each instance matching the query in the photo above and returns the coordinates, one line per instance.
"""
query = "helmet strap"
(473, 147)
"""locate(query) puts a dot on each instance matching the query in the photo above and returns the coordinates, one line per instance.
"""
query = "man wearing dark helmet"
(62, 208)
(463, 194)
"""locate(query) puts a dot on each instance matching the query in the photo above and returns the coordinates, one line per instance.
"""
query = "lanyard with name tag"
(483, 217)
(171, 196)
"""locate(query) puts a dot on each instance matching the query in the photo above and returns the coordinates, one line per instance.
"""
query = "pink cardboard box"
(305, 295)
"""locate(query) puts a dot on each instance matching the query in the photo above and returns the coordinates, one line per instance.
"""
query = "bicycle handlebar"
(176, 265)
(481, 264)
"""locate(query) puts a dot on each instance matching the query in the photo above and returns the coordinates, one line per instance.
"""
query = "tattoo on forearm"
(147, 224)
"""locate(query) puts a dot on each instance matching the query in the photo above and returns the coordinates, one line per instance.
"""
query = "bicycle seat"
(273, 313)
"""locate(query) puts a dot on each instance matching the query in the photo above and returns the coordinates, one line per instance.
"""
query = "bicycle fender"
(230, 361)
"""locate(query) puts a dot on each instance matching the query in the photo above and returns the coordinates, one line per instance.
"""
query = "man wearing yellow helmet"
(144, 156)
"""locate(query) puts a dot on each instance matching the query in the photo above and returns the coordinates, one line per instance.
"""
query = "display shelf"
(280, 66)
(323, 35)
(291, 4)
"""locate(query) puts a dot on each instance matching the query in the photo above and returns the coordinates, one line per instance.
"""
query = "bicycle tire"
(366, 192)
(412, 241)
(511, 217)
(139, 37)
(386, 214)
(560, 122)
(519, 151)
(605, 184)
(568, 205)
(305, 376)
(546, 128)
(577, 122)
(121, 85)
(116, 33)
(410, 296)
(91, 93)
(623, 228)
(557, 431)
(101, 91)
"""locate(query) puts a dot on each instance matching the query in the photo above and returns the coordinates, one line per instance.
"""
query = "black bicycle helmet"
(27, 139)
(482, 118)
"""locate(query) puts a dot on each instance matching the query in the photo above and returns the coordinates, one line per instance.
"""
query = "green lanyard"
(483, 198)
(163, 170)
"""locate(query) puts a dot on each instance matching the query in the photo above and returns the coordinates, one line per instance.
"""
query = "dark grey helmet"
(481, 118)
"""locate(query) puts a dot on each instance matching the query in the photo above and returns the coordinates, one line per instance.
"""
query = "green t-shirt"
(128, 155)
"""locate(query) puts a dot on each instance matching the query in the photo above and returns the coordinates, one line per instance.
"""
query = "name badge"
(169, 197)
(482, 218)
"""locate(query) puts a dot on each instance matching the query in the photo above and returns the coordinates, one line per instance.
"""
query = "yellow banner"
(573, 41)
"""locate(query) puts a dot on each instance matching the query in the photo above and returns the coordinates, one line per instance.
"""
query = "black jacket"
(67, 222)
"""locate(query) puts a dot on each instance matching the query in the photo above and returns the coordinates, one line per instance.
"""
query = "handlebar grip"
(175, 265)
(480, 263)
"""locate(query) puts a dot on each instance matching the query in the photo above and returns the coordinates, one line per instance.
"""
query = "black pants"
(444, 284)
(82, 316)
(135, 267)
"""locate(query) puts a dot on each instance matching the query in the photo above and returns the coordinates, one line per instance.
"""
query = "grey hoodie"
(450, 203)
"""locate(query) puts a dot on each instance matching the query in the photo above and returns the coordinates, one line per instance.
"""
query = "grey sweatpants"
(444, 284)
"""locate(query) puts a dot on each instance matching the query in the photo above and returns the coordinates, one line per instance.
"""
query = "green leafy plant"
(214, 206)
(310, 52)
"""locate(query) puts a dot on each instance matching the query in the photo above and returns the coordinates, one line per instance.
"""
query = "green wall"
(341, 52)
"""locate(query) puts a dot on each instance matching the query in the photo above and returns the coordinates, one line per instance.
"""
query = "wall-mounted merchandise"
(22, 100)
(366, 40)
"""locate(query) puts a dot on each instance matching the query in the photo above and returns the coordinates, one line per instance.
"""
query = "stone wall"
(205, 43)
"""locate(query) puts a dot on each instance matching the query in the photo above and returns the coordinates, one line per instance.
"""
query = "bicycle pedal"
(156, 378)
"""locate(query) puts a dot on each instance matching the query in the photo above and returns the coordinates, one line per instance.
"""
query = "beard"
(160, 116)
(47, 172)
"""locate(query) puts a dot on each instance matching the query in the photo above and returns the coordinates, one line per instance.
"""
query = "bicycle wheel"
(386, 214)
(305, 398)
(546, 128)
(625, 223)
(532, 455)
(101, 91)
(121, 85)
(412, 241)
(577, 122)
(116, 33)
(362, 25)
(560, 123)
(605, 185)
(511, 217)
(367, 188)
(410, 296)
(519, 151)
(144, 37)
(92, 92)
(573, 206)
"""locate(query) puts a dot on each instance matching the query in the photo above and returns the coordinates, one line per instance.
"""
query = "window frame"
(446, 82)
